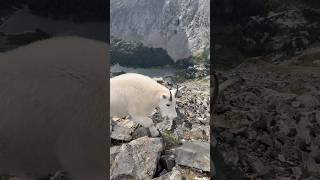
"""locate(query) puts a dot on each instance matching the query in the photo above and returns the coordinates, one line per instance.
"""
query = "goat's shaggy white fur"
(138, 95)
(52, 108)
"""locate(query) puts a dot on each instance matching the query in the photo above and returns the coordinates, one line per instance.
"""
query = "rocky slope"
(275, 30)
(182, 150)
(182, 27)
(267, 122)
(266, 125)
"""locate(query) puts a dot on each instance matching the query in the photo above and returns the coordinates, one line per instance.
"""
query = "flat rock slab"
(137, 159)
(194, 154)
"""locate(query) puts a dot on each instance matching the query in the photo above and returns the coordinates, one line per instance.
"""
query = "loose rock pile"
(268, 120)
(197, 71)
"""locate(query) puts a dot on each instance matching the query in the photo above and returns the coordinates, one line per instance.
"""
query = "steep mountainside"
(182, 27)
(274, 30)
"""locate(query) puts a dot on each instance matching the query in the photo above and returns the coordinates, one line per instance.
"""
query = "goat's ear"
(178, 92)
(174, 91)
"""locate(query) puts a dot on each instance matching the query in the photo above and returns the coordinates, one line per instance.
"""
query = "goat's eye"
(168, 105)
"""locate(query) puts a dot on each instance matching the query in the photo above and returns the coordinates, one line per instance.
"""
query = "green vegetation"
(169, 140)
(179, 77)
(202, 57)
(183, 63)
(192, 174)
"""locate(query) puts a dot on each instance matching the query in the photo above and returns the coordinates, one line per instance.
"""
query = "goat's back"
(133, 90)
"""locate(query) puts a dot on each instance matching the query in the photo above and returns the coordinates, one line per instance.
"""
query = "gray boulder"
(137, 159)
(194, 154)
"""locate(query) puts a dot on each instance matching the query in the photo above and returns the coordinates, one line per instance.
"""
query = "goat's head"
(167, 103)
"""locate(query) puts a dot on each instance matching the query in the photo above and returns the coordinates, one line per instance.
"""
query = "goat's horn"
(177, 91)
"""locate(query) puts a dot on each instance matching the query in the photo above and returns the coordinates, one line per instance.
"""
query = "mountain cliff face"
(182, 27)
(274, 30)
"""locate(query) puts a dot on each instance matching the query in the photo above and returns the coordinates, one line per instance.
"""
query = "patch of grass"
(191, 174)
(202, 57)
(170, 141)
(179, 77)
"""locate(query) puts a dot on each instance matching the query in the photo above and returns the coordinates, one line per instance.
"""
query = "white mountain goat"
(53, 108)
(138, 96)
